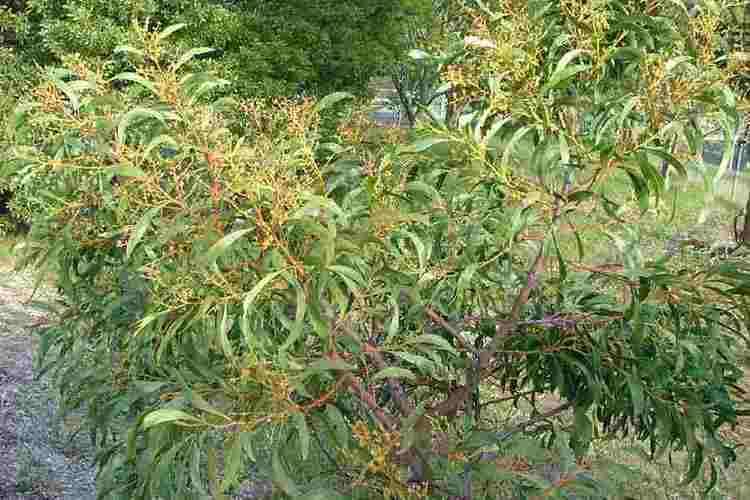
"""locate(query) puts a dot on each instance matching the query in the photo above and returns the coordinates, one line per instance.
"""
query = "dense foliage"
(249, 295)
(268, 48)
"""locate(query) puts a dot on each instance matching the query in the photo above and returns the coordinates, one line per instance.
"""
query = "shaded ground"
(37, 459)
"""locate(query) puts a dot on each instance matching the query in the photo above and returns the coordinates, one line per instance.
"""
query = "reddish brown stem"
(448, 328)
(356, 388)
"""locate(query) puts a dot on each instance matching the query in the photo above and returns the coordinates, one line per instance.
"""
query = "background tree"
(276, 48)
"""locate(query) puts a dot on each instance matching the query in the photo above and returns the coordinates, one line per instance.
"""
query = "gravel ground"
(37, 458)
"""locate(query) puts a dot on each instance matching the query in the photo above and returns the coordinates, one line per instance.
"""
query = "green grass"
(686, 209)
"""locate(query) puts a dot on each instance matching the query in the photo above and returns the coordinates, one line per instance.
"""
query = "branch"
(485, 357)
(537, 418)
(488, 456)
(448, 328)
(507, 398)
(404, 100)
(356, 388)
(397, 390)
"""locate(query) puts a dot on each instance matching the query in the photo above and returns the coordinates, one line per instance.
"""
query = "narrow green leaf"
(167, 415)
(128, 49)
(303, 433)
(420, 362)
(299, 320)
(281, 477)
(66, 89)
(253, 294)
(423, 145)
(641, 190)
(563, 269)
(464, 282)
(564, 71)
(434, 340)
(135, 78)
(636, 393)
(495, 129)
(232, 460)
(206, 87)
(349, 273)
(247, 445)
(189, 55)
(223, 332)
(338, 425)
(169, 30)
(212, 471)
(695, 458)
(394, 372)
(393, 324)
(332, 99)
(220, 247)
(419, 247)
(196, 467)
(140, 230)
(197, 401)
(517, 136)
(671, 160)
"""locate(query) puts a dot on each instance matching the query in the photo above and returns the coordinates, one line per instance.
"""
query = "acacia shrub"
(342, 315)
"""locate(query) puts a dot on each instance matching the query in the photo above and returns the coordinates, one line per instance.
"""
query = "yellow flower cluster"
(589, 33)
(704, 29)
(49, 97)
(380, 446)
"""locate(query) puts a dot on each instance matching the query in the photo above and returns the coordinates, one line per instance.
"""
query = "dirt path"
(37, 460)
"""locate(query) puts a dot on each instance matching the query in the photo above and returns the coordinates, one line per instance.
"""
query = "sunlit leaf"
(136, 78)
(222, 246)
(165, 416)
(169, 30)
(394, 372)
(333, 99)
(140, 230)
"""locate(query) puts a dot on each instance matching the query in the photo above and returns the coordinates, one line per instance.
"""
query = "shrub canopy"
(255, 286)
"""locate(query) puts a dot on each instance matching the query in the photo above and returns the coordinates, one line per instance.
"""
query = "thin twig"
(356, 388)
(448, 328)
(538, 418)
(485, 357)
(397, 390)
(508, 398)
(488, 456)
